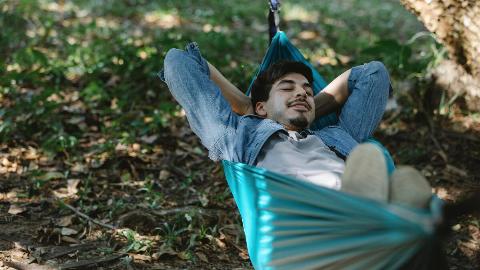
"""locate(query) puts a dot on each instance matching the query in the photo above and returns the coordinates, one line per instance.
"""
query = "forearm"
(239, 102)
(333, 96)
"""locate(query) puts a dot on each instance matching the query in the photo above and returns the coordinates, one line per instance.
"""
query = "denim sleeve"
(209, 114)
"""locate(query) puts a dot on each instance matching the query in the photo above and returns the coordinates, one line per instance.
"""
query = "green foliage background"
(68, 68)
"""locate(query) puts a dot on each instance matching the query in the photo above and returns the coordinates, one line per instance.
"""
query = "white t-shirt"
(302, 156)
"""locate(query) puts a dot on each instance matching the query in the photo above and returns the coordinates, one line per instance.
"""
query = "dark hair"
(262, 85)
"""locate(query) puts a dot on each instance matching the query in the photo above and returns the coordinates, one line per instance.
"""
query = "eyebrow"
(293, 82)
(286, 81)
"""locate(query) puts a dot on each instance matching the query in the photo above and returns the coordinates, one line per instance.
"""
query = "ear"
(260, 109)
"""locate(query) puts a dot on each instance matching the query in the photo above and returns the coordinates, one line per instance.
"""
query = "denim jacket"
(225, 134)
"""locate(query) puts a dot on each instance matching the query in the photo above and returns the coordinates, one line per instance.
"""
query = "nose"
(300, 92)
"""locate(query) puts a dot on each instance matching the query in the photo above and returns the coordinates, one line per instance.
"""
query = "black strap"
(273, 18)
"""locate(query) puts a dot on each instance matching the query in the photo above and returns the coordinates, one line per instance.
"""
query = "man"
(271, 129)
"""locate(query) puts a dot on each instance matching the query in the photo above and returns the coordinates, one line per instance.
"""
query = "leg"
(369, 87)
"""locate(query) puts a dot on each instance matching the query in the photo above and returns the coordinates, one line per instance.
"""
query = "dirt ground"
(168, 206)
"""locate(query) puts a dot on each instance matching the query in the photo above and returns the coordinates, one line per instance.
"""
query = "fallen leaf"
(5, 162)
(16, 209)
(149, 139)
(68, 231)
(31, 154)
(65, 221)
(203, 199)
(244, 255)
(70, 240)
(79, 168)
(164, 249)
(202, 256)
(121, 147)
(223, 257)
(184, 255)
(164, 175)
(219, 243)
(72, 186)
(51, 175)
(141, 257)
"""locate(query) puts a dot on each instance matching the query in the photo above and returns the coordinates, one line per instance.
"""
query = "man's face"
(290, 102)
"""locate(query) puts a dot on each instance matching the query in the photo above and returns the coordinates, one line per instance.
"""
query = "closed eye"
(308, 89)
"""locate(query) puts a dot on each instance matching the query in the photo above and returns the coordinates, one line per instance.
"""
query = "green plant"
(171, 234)
(135, 243)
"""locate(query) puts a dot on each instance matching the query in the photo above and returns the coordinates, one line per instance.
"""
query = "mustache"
(299, 101)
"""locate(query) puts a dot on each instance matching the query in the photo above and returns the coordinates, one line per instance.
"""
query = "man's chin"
(299, 122)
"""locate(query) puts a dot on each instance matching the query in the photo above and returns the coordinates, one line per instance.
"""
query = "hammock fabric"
(292, 224)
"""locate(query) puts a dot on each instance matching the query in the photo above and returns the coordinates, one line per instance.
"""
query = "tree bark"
(456, 24)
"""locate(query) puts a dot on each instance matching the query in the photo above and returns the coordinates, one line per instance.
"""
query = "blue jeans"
(369, 87)
(239, 138)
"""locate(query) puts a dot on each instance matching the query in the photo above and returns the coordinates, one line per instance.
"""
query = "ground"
(99, 168)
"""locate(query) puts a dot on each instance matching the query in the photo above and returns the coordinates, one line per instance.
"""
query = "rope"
(273, 18)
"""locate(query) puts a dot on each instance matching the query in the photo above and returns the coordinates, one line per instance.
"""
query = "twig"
(111, 227)
(67, 250)
(431, 126)
(30, 266)
(186, 209)
(441, 152)
(92, 262)
(462, 136)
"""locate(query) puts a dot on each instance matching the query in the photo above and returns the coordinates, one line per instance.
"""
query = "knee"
(380, 72)
(176, 62)
(174, 57)
(377, 67)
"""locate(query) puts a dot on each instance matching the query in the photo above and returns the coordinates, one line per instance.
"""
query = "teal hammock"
(293, 224)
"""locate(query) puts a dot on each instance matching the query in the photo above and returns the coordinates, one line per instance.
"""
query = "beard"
(301, 122)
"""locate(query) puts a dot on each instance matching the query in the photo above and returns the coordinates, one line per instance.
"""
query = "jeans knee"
(376, 67)
(176, 62)
(174, 57)
(184, 62)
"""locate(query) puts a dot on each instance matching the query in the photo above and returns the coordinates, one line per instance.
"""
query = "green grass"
(67, 68)
(78, 80)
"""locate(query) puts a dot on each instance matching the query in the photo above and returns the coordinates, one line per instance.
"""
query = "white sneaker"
(410, 188)
(366, 173)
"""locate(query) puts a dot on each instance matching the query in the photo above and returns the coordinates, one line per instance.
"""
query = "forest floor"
(171, 207)
(99, 168)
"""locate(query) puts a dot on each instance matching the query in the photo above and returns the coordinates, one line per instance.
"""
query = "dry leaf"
(65, 221)
(51, 175)
(203, 199)
(16, 209)
(68, 231)
(202, 256)
(149, 139)
(79, 168)
(219, 243)
(31, 154)
(70, 240)
(223, 257)
(121, 147)
(164, 175)
(164, 249)
(141, 257)
(244, 255)
(183, 255)
(72, 185)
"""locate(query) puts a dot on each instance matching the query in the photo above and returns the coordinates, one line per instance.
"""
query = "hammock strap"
(273, 18)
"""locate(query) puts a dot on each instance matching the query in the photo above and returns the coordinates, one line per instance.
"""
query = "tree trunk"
(456, 24)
